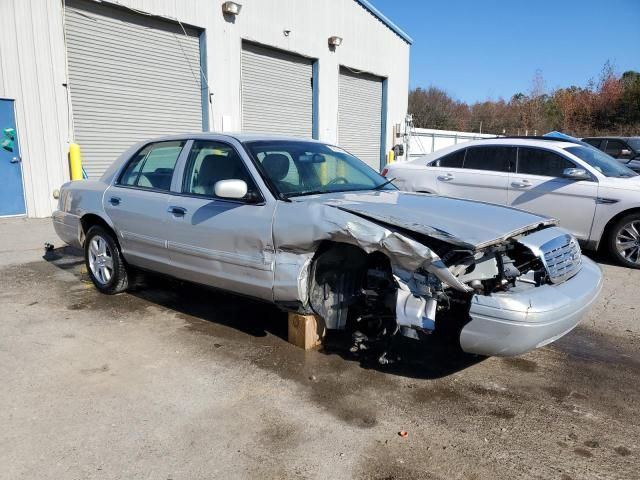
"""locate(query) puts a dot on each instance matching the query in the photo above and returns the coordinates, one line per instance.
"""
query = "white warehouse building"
(106, 74)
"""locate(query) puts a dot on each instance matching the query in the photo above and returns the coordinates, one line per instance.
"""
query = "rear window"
(593, 141)
(497, 159)
(452, 160)
(152, 167)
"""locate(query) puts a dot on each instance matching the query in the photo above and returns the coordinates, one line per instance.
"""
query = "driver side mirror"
(625, 153)
(576, 174)
(232, 189)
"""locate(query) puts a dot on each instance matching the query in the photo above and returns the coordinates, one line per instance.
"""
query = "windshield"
(298, 168)
(606, 165)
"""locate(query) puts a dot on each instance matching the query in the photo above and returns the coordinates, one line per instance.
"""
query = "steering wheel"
(338, 179)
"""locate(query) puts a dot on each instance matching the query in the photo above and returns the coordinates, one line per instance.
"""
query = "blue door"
(11, 190)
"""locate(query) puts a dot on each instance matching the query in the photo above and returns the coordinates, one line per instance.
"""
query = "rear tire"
(623, 242)
(104, 262)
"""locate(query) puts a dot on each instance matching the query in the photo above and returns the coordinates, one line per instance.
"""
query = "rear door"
(137, 204)
(538, 186)
(437, 174)
(484, 175)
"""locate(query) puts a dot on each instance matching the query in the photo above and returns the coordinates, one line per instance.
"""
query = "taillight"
(384, 172)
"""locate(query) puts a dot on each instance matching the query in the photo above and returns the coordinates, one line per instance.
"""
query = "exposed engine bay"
(361, 293)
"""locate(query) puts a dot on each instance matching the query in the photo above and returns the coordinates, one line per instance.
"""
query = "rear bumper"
(67, 227)
(514, 322)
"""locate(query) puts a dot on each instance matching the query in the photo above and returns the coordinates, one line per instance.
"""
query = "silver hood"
(462, 222)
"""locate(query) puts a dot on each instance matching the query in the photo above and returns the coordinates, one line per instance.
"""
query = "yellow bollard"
(323, 174)
(75, 162)
(391, 157)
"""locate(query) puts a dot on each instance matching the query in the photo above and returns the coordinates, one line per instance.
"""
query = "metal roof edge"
(380, 16)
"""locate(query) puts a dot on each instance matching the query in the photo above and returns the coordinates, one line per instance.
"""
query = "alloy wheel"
(628, 242)
(100, 259)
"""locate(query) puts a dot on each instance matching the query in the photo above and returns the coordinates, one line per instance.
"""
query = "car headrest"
(215, 168)
(276, 165)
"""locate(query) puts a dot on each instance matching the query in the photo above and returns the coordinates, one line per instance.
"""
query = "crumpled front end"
(376, 279)
(527, 292)
(298, 233)
(528, 315)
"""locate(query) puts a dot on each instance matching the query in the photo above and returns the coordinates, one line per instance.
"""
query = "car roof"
(512, 142)
(239, 136)
(612, 137)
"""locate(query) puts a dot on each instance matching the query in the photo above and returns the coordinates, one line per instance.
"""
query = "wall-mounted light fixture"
(231, 8)
(335, 41)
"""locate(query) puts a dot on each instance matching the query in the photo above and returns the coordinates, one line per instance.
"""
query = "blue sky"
(486, 49)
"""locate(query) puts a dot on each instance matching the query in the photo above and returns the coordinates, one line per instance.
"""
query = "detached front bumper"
(514, 322)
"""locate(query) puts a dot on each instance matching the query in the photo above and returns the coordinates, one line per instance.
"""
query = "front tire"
(104, 262)
(624, 241)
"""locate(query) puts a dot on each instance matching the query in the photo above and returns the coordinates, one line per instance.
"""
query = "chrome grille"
(562, 258)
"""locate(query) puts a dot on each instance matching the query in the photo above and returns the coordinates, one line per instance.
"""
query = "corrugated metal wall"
(360, 115)
(277, 92)
(32, 73)
(32, 67)
(132, 77)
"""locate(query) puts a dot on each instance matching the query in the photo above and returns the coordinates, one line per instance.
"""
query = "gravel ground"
(173, 381)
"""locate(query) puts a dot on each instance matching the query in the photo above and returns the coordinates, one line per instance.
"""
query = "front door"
(538, 186)
(216, 241)
(11, 190)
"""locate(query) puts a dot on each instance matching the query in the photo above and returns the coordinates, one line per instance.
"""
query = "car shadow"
(431, 358)
(601, 257)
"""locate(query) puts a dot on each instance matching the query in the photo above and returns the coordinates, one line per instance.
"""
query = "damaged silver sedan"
(309, 227)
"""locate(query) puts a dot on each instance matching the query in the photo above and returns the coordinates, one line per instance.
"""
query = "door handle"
(446, 178)
(177, 211)
(15, 160)
(114, 201)
(522, 184)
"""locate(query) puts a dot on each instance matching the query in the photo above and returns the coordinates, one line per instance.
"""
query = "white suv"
(589, 192)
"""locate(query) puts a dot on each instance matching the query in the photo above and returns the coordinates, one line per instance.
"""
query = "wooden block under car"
(306, 331)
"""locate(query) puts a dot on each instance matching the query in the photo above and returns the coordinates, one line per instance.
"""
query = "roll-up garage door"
(131, 77)
(360, 115)
(277, 92)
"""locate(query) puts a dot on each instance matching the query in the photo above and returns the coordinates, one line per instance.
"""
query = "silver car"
(311, 228)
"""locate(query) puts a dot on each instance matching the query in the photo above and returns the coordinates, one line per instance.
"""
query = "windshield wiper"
(384, 184)
(306, 192)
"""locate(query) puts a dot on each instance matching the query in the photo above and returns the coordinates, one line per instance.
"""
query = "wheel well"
(612, 222)
(90, 220)
(337, 276)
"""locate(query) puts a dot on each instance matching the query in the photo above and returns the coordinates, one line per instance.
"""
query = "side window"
(496, 159)
(593, 141)
(153, 166)
(452, 160)
(535, 161)
(208, 163)
(614, 147)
